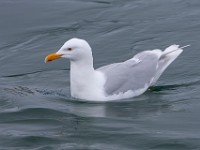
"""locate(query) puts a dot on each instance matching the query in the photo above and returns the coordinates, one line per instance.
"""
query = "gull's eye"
(69, 49)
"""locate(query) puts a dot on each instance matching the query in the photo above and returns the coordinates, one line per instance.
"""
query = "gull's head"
(74, 49)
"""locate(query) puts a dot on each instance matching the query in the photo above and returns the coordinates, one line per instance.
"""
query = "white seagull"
(115, 81)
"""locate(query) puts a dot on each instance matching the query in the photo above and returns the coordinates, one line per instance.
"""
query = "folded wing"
(134, 74)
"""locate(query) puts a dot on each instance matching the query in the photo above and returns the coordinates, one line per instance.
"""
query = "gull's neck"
(83, 64)
(83, 69)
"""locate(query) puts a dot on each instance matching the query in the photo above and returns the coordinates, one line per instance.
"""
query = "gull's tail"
(167, 57)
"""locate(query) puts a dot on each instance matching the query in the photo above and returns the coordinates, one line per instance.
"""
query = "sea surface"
(36, 109)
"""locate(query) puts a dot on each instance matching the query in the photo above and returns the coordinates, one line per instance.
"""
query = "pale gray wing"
(133, 74)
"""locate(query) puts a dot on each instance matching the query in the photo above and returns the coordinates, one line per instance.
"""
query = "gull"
(115, 81)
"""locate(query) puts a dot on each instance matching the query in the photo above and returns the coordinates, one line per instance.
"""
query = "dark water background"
(36, 110)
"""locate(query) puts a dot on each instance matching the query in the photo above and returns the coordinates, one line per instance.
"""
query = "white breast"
(87, 85)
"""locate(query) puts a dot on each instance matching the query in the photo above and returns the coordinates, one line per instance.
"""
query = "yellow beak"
(52, 57)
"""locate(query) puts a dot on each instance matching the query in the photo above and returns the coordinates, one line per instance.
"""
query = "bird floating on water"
(115, 81)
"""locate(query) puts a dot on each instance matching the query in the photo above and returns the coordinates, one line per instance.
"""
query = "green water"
(36, 109)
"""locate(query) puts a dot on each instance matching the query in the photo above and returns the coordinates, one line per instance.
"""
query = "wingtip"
(185, 46)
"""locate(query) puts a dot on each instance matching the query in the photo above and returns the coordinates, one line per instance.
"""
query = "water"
(36, 110)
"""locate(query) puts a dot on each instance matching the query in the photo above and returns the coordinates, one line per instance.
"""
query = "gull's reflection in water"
(143, 105)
